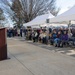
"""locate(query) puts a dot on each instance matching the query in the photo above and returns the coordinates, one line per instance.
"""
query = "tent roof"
(39, 20)
(66, 16)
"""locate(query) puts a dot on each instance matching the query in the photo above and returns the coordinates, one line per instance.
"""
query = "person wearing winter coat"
(65, 38)
(58, 40)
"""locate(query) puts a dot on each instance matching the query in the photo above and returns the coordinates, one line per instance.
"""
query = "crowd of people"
(55, 36)
(12, 32)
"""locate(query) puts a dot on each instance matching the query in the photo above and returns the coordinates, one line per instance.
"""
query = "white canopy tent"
(65, 17)
(39, 20)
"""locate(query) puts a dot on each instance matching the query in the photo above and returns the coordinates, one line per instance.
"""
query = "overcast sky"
(65, 4)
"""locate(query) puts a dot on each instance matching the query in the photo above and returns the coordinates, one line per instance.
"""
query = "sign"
(47, 20)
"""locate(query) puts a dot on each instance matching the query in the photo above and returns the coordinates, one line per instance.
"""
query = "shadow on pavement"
(64, 50)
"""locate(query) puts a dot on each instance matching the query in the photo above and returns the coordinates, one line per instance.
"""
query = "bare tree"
(23, 11)
(2, 18)
(1, 14)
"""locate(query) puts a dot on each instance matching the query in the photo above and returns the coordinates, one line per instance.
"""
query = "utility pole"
(69, 23)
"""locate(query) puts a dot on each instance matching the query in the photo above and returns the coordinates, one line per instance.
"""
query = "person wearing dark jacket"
(65, 38)
(57, 41)
(53, 37)
(21, 32)
(50, 30)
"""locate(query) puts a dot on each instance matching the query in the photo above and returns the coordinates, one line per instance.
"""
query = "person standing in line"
(18, 31)
(21, 32)
(24, 31)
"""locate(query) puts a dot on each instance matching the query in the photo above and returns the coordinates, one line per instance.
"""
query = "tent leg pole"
(69, 24)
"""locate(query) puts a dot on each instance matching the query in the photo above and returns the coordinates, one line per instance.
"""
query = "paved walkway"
(30, 59)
